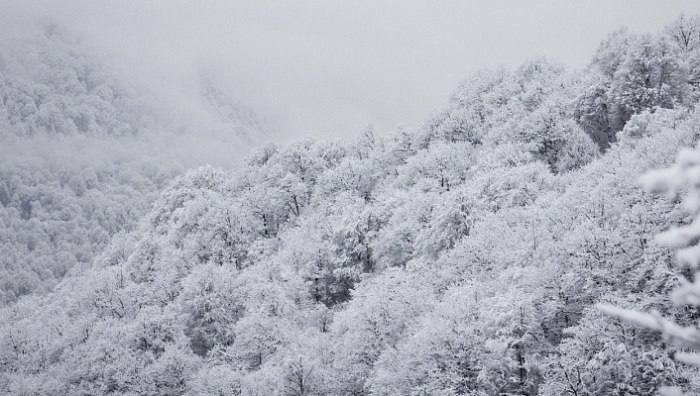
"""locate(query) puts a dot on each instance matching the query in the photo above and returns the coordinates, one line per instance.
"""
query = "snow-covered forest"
(507, 246)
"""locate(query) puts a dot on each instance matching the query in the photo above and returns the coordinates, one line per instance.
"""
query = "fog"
(332, 68)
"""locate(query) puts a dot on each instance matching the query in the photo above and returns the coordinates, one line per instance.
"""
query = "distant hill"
(82, 156)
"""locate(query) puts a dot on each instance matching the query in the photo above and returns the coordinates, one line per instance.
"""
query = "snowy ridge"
(468, 257)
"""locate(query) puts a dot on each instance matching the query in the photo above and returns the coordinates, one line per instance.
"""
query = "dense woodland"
(469, 256)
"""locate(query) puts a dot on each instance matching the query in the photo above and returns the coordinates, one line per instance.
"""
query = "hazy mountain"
(461, 258)
(84, 153)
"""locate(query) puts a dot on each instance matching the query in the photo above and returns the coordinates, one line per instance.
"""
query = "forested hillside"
(82, 157)
(461, 258)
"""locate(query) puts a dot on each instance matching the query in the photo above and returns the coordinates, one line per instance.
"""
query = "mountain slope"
(461, 258)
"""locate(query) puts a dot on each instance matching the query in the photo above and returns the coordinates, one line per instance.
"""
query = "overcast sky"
(326, 68)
